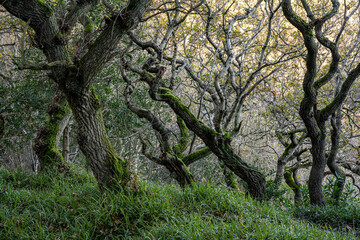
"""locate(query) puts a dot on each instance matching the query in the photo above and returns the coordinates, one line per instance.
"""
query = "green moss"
(94, 96)
(227, 135)
(119, 166)
(189, 158)
(120, 169)
(45, 7)
(289, 179)
(184, 136)
(89, 28)
(167, 94)
(51, 155)
(231, 180)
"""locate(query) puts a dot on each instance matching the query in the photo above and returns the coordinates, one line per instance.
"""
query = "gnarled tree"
(313, 114)
(207, 55)
(75, 71)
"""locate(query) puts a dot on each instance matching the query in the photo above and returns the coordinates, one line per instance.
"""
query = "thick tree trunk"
(75, 79)
(109, 169)
(255, 180)
(317, 173)
(45, 144)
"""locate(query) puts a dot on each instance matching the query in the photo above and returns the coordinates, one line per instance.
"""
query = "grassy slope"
(71, 207)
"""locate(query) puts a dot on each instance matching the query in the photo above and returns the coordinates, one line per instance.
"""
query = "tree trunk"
(280, 169)
(317, 172)
(340, 175)
(229, 177)
(2, 126)
(180, 172)
(255, 180)
(291, 180)
(45, 145)
(109, 169)
(66, 143)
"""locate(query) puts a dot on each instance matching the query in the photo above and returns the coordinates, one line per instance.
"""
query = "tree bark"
(229, 177)
(293, 184)
(339, 174)
(256, 183)
(180, 172)
(45, 144)
(66, 143)
(109, 169)
(318, 168)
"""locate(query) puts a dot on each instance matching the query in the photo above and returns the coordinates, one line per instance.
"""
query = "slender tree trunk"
(109, 169)
(180, 172)
(340, 175)
(291, 180)
(45, 144)
(2, 126)
(339, 182)
(280, 169)
(229, 177)
(66, 143)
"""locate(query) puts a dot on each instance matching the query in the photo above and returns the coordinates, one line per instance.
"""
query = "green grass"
(70, 206)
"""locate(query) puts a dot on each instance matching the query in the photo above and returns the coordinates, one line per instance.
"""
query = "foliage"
(345, 217)
(276, 193)
(71, 207)
(348, 197)
(25, 101)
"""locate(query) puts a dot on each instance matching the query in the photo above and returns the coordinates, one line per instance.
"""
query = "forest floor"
(70, 206)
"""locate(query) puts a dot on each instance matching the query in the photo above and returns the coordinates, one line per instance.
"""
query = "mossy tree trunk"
(293, 184)
(180, 172)
(229, 177)
(292, 150)
(218, 143)
(171, 151)
(45, 144)
(75, 78)
(107, 166)
(66, 143)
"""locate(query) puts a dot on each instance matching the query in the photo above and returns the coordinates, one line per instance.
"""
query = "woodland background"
(160, 110)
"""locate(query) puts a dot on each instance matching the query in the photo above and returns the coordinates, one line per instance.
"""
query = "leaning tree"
(205, 67)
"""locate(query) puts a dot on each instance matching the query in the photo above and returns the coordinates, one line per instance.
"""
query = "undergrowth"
(70, 206)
